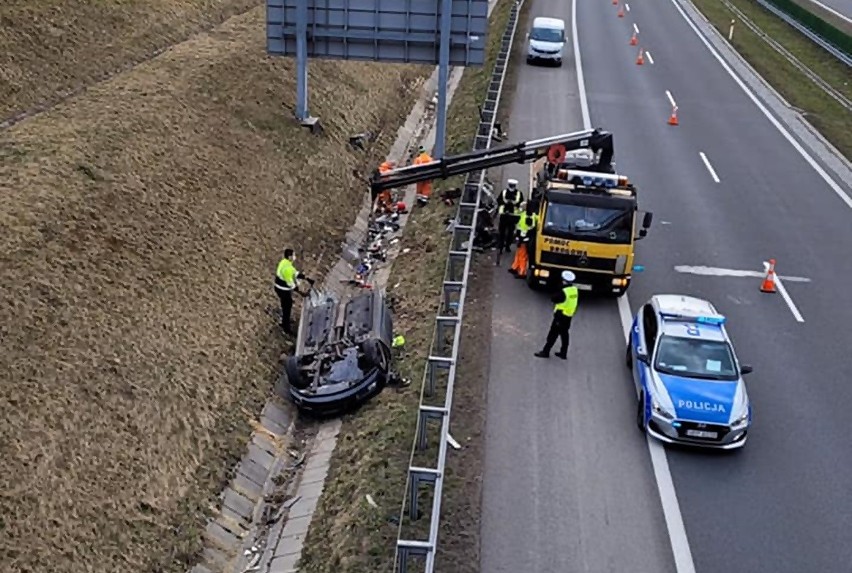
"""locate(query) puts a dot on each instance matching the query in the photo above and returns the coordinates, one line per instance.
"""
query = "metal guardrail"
(443, 357)
(813, 76)
(813, 36)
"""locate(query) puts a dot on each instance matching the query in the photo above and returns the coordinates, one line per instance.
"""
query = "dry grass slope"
(139, 228)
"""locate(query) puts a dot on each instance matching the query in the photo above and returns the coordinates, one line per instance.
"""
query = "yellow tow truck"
(588, 223)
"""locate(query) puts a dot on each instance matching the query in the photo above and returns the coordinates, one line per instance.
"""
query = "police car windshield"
(695, 358)
(588, 223)
(546, 35)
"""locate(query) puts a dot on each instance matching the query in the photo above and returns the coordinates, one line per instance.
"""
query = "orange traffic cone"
(633, 40)
(620, 12)
(673, 116)
(640, 59)
(769, 281)
(614, 2)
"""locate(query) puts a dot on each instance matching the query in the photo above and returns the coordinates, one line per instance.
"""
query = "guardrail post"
(417, 476)
(427, 413)
(435, 362)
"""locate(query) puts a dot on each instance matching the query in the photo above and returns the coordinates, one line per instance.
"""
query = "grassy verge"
(825, 113)
(347, 534)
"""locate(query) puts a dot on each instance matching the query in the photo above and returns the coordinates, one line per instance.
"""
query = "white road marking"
(780, 286)
(832, 10)
(627, 6)
(708, 166)
(648, 55)
(663, 475)
(668, 497)
(720, 272)
(671, 99)
(796, 145)
(636, 29)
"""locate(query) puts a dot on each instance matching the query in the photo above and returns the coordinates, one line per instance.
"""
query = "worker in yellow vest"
(286, 276)
(565, 306)
(526, 227)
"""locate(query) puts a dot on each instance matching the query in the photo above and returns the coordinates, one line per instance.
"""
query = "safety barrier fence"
(441, 365)
(830, 38)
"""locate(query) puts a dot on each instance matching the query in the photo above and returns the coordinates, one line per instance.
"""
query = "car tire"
(294, 376)
(374, 354)
(640, 414)
(629, 358)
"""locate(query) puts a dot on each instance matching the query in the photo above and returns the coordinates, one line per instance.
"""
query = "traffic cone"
(620, 12)
(614, 2)
(673, 116)
(769, 281)
(633, 40)
(640, 59)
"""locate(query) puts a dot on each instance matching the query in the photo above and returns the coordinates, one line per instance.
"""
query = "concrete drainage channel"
(440, 370)
(263, 516)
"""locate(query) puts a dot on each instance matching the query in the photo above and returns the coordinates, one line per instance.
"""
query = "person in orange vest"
(424, 188)
(525, 229)
(382, 202)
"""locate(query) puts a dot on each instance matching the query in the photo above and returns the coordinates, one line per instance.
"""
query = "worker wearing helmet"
(565, 302)
(423, 188)
(509, 208)
(383, 201)
(286, 276)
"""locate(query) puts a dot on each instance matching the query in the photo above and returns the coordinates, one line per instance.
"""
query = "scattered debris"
(371, 501)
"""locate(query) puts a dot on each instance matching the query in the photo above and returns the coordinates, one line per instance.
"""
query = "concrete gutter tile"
(257, 474)
(260, 457)
(221, 537)
(247, 487)
(285, 564)
(320, 460)
(313, 475)
(214, 558)
(238, 503)
(296, 527)
(277, 414)
(302, 508)
(312, 490)
(265, 443)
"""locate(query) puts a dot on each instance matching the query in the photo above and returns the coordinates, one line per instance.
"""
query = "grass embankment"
(140, 226)
(347, 534)
(825, 113)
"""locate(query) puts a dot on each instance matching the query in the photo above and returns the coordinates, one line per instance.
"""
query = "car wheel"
(629, 358)
(294, 376)
(640, 414)
(373, 354)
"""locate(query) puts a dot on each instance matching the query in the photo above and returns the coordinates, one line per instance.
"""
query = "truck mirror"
(646, 222)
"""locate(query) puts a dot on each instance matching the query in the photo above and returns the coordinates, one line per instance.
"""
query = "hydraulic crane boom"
(554, 147)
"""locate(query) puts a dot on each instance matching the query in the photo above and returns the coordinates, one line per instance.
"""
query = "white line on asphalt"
(780, 285)
(627, 6)
(635, 28)
(796, 145)
(648, 54)
(671, 99)
(832, 10)
(720, 272)
(708, 166)
(668, 497)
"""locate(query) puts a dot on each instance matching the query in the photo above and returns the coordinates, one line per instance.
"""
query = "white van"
(546, 40)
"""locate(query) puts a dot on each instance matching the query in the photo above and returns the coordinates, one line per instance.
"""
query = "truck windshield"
(588, 223)
(546, 35)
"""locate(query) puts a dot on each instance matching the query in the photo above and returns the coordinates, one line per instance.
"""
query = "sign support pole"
(302, 60)
(443, 78)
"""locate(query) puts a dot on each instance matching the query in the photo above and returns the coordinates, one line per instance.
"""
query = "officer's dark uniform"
(565, 306)
(509, 202)
(285, 283)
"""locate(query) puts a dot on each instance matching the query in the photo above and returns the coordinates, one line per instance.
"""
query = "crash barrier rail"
(834, 41)
(443, 357)
(821, 83)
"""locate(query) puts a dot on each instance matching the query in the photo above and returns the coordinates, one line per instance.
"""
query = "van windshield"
(546, 35)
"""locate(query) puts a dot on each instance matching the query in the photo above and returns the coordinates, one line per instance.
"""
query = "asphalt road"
(569, 483)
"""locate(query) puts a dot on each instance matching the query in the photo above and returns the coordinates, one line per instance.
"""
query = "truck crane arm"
(554, 148)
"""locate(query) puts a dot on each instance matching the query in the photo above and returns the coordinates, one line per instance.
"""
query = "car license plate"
(702, 434)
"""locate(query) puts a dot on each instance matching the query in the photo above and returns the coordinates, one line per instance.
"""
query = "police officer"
(286, 276)
(563, 311)
(509, 202)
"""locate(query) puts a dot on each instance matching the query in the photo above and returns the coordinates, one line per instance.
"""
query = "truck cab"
(588, 223)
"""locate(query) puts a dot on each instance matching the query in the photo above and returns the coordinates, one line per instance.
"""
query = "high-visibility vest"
(423, 158)
(516, 201)
(522, 224)
(569, 306)
(385, 167)
(287, 272)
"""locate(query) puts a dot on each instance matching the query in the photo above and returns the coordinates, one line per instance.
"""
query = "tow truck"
(589, 219)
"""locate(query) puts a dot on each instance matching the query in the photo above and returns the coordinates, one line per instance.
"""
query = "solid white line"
(648, 54)
(796, 145)
(671, 99)
(662, 474)
(709, 167)
(635, 28)
(578, 66)
(720, 272)
(832, 10)
(780, 286)
(627, 6)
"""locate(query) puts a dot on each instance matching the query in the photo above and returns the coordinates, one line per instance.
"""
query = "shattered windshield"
(584, 223)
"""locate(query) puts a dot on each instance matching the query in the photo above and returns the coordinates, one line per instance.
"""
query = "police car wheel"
(629, 358)
(640, 414)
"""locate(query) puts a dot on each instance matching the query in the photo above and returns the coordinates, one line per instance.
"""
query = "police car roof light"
(715, 319)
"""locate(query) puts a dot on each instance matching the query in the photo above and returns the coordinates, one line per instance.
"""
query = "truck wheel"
(532, 282)
(294, 376)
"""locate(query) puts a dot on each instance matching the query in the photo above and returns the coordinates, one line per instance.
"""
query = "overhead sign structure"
(434, 32)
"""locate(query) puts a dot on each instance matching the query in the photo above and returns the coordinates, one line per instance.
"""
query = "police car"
(688, 379)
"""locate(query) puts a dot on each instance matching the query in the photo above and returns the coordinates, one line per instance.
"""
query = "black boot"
(562, 355)
(543, 354)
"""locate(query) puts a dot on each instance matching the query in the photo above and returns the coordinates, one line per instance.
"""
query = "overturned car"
(343, 353)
